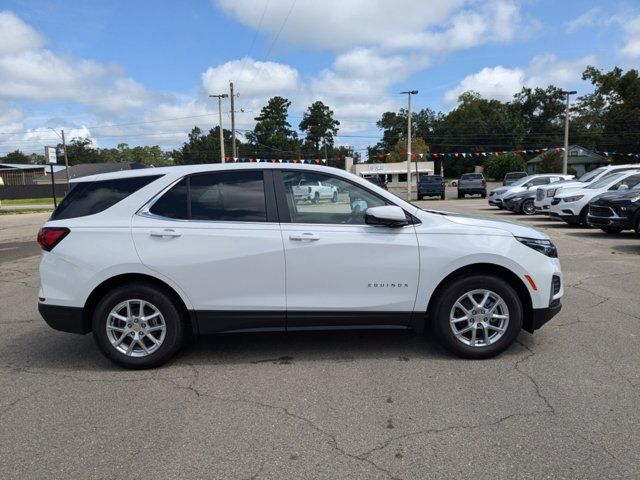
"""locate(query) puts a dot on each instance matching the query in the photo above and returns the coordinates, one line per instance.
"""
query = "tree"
(399, 152)
(201, 147)
(551, 162)
(16, 157)
(319, 125)
(272, 130)
(496, 166)
(80, 150)
(613, 109)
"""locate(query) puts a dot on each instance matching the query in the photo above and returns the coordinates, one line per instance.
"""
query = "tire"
(637, 229)
(498, 341)
(484, 195)
(583, 217)
(527, 207)
(156, 301)
(460, 195)
(316, 198)
(442, 196)
(611, 230)
(334, 198)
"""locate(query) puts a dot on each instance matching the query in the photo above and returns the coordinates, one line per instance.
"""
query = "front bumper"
(615, 222)
(65, 319)
(495, 202)
(540, 316)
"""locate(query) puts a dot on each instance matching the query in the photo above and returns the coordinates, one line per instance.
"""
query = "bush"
(497, 166)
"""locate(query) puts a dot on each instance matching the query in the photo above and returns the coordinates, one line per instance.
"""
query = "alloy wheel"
(479, 318)
(136, 328)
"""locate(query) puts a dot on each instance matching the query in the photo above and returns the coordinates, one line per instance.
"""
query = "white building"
(393, 173)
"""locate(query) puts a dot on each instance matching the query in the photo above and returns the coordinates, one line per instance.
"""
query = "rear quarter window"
(89, 198)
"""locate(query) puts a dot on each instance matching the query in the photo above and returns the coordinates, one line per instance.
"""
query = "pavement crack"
(530, 377)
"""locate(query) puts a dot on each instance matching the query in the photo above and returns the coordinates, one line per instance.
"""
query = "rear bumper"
(540, 316)
(65, 319)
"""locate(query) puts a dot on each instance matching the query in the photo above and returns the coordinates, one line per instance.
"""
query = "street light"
(565, 156)
(220, 97)
(409, 93)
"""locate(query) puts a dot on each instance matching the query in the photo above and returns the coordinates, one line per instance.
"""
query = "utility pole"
(409, 93)
(234, 153)
(66, 160)
(565, 156)
(64, 149)
(220, 97)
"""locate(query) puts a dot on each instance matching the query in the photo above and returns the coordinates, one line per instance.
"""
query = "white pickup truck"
(314, 191)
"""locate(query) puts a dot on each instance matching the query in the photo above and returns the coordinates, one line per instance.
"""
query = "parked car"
(572, 206)
(472, 184)
(138, 257)
(613, 212)
(527, 183)
(545, 193)
(377, 180)
(314, 191)
(511, 177)
(520, 202)
(431, 186)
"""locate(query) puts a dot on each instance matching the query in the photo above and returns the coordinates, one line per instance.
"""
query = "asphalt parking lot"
(563, 403)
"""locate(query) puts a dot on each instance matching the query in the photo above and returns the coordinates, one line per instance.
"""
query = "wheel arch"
(486, 268)
(109, 284)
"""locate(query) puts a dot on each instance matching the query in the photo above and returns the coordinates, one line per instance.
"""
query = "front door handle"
(165, 232)
(304, 237)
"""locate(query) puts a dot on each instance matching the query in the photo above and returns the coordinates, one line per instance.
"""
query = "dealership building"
(393, 173)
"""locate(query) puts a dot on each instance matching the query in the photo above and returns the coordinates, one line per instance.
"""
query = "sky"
(140, 72)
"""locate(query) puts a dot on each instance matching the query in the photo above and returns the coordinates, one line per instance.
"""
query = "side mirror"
(623, 187)
(386, 216)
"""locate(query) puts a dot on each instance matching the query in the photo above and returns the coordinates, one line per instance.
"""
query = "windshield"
(588, 176)
(521, 181)
(604, 181)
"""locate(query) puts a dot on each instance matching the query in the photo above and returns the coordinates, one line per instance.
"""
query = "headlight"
(551, 192)
(545, 247)
(634, 199)
(575, 198)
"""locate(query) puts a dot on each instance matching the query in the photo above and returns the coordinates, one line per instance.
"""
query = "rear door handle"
(304, 237)
(165, 232)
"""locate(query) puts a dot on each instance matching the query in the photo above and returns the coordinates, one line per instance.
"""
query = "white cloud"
(502, 83)
(631, 48)
(32, 73)
(491, 82)
(17, 36)
(589, 18)
(338, 24)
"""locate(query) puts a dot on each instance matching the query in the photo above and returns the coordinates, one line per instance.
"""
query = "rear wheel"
(477, 316)
(460, 195)
(334, 197)
(528, 208)
(420, 197)
(484, 195)
(138, 326)
(316, 198)
(442, 196)
(611, 230)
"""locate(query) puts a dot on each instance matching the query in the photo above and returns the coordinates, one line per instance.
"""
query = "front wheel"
(528, 208)
(460, 195)
(477, 316)
(138, 326)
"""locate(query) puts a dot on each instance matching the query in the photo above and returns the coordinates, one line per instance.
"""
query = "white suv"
(497, 195)
(138, 257)
(545, 193)
(572, 205)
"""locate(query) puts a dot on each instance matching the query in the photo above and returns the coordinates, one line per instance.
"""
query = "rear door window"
(237, 196)
(89, 198)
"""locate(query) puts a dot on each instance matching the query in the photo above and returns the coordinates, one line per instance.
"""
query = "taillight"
(484, 182)
(49, 237)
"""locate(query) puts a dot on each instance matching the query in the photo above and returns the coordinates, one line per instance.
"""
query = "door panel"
(339, 270)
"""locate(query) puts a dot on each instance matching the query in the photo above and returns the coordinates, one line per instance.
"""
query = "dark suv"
(511, 177)
(431, 186)
(472, 184)
(613, 212)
